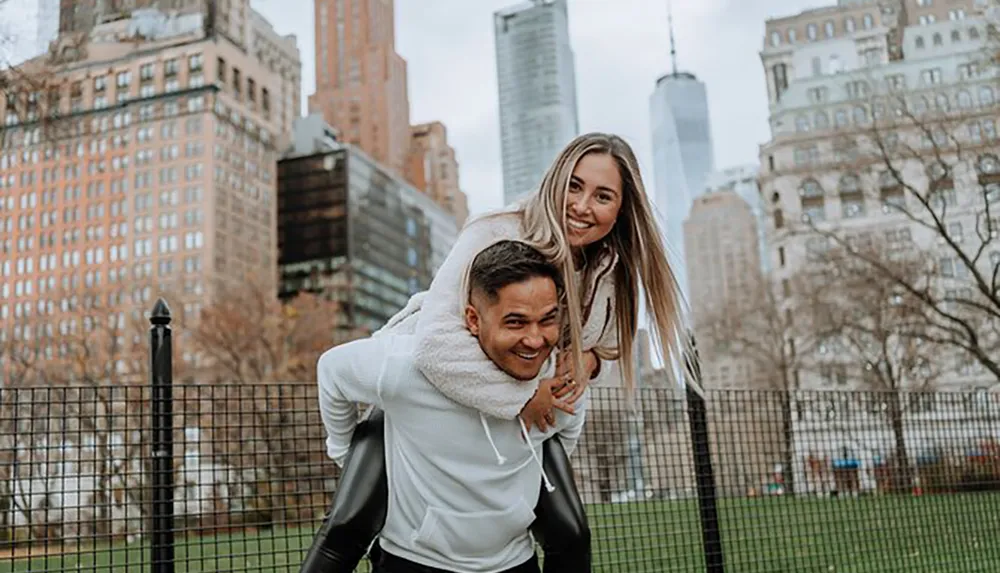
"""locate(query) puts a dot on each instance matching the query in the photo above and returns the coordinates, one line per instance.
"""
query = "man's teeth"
(579, 224)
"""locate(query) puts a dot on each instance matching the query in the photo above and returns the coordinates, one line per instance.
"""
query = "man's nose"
(533, 340)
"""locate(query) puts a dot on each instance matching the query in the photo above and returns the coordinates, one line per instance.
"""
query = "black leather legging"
(358, 511)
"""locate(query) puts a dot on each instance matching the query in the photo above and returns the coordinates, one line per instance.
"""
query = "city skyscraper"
(682, 152)
(722, 247)
(536, 79)
(361, 80)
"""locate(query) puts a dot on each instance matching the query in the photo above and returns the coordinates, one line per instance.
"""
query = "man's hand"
(573, 389)
(538, 411)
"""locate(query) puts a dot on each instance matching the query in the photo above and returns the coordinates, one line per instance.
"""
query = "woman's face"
(595, 197)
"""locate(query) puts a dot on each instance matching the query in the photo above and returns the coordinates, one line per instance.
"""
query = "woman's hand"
(538, 411)
(574, 385)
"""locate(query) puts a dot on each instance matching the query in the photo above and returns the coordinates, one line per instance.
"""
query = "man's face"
(520, 328)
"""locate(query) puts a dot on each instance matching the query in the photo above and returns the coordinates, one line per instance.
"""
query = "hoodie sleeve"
(347, 375)
(569, 436)
(447, 354)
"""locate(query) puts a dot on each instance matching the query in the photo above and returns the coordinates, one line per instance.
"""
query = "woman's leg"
(561, 522)
(357, 513)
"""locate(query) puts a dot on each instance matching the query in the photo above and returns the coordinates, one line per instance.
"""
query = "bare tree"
(874, 333)
(265, 418)
(98, 356)
(759, 329)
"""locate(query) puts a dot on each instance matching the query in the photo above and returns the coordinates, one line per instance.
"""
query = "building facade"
(682, 156)
(361, 80)
(849, 85)
(140, 169)
(723, 253)
(433, 168)
(742, 180)
(280, 53)
(226, 18)
(536, 79)
(352, 230)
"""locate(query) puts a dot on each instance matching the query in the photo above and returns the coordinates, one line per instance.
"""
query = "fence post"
(704, 474)
(161, 378)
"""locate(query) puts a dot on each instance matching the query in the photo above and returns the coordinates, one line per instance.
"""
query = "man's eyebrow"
(513, 315)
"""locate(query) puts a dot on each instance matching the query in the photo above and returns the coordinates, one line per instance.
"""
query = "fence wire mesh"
(825, 481)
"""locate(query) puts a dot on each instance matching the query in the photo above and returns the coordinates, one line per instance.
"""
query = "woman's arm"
(447, 353)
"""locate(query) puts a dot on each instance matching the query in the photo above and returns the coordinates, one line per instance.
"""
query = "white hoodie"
(462, 490)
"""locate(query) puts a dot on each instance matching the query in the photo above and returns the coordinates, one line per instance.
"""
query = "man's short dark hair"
(509, 262)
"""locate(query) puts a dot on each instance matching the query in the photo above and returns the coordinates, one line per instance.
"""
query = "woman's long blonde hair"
(635, 238)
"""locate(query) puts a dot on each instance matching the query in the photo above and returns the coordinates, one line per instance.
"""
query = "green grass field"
(946, 534)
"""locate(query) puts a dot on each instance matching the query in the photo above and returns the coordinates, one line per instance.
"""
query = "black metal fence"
(823, 481)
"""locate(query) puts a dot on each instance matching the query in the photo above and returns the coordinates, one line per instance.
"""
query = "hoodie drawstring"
(531, 446)
(489, 436)
(524, 432)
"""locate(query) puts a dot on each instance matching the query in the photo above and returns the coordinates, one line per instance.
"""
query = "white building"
(833, 74)
(537, 90)
(26, 28)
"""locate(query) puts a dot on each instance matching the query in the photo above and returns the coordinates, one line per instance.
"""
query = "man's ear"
(472, 319)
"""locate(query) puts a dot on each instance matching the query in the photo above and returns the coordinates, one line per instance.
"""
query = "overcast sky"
(621, 48)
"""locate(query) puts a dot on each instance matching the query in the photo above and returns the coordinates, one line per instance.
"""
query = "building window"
(849, 25)
(821, 120)
(986, 97)
(775, 39)
(840, 118)
(941, 101)
(829, 29)
(988, 165)
(968, 71)
(868, 22)
(779, 73)
(811, 32)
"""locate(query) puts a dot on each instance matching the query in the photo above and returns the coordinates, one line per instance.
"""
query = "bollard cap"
(161, 312)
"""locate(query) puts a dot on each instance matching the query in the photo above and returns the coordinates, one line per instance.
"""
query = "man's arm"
(346, 375)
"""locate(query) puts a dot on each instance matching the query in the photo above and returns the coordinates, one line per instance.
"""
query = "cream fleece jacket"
(451, 358)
